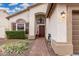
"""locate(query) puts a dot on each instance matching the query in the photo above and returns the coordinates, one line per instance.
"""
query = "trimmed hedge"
(16, 35)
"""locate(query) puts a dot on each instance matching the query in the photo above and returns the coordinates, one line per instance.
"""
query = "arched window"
(20, 24)
(40, 19)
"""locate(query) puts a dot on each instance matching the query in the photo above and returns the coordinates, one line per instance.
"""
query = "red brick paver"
(39, 48)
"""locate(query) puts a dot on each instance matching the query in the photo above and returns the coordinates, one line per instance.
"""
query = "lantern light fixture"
(63, 14)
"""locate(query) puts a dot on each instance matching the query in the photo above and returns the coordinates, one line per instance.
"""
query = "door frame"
(74, 40)
(40, 30)
(70, 8)
(36, 35)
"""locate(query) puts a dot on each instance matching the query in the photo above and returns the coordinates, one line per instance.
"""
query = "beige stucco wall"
(52, 29)
(58, 29)
(61, 23)
(38, 9)
(29, 16)
(24, 16)
(4, 24)
(58, 24)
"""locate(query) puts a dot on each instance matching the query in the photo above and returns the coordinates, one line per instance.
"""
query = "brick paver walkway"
(39, 48)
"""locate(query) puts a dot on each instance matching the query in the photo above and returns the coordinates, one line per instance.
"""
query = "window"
(20, 26)
(40, 21)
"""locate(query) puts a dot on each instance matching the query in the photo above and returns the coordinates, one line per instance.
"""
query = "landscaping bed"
(15, 47)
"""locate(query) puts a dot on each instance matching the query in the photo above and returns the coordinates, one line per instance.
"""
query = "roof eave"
(24, 10)
(50, 9)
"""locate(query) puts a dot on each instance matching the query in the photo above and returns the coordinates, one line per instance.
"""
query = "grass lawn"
(15, 47)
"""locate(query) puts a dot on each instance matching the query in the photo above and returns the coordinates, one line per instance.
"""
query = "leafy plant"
(16, 48)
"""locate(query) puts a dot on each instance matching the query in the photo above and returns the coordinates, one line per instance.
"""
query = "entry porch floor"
(41, 48)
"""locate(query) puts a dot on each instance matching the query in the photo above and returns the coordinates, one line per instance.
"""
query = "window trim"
(18, 29)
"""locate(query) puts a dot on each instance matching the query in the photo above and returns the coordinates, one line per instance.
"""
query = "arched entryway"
(40, 21)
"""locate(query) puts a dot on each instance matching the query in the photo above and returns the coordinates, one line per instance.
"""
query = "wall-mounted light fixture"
(63, 14)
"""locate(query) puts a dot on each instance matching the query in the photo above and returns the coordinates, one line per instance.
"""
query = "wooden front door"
(75, 32)
(41, 31)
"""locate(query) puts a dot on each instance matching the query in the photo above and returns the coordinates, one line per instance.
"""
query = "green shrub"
(16, 34)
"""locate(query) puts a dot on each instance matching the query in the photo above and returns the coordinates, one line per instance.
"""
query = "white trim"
(24, 27)
(17, 27)
(40, 24)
